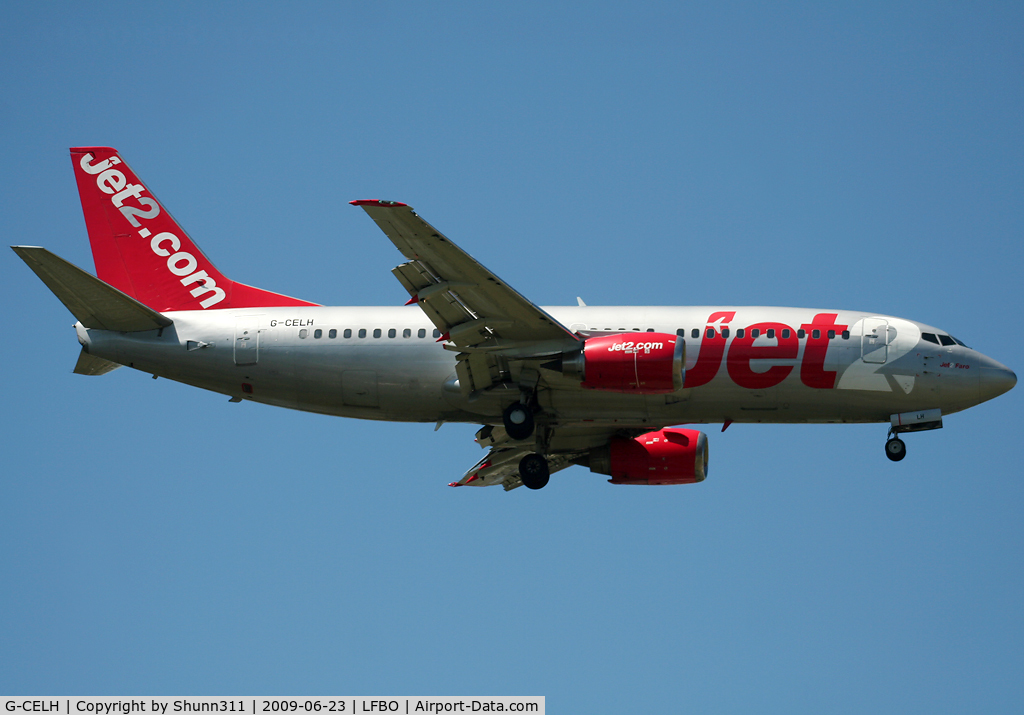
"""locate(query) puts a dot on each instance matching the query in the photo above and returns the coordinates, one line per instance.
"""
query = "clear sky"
(155, 539)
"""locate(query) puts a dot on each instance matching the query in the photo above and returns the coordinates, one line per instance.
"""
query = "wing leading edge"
(486, 320)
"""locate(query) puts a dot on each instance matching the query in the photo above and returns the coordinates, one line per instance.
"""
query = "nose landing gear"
(918, 421)
(895, 449)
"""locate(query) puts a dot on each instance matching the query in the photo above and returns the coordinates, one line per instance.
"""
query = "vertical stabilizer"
(142, 251)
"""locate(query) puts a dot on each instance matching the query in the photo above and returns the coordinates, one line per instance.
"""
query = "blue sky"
(156, 539)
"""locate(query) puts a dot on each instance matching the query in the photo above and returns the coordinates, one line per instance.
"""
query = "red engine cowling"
(642, 363)
(668, 456)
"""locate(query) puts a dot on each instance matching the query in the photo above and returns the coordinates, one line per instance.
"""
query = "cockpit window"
(946, 340)
(959, 343)
(930, 337)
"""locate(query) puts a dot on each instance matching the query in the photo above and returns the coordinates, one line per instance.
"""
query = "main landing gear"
(518, 421)
(533, 470)
(519, 425)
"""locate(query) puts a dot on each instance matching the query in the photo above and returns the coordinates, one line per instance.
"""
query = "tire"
(533, 470)
(518, 421)
(895, 449)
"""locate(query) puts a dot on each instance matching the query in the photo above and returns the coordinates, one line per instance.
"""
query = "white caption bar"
(348, 705)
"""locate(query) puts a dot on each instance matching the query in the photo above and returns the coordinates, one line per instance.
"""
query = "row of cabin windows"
(695, 333)
(377, 332)
(769, 333)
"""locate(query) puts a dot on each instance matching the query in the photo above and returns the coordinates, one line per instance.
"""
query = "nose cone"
(995, 379)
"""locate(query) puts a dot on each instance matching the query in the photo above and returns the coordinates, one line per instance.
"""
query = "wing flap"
(561, 446)
(440, 304)
(501, 466)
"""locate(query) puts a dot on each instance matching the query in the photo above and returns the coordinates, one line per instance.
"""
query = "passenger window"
(422, 333)
(946, 340)
(711, 333)
(771, 333)
(376, 332)
(303, 333)
(846, 335)
(725, 332)
(407, 333)
(831, 335)
(740, 332)
(786, 333)
(681, 332)
(801, 333)
(362, 332)
(318, 333)
(347, 333)
(695, 333)
(650, 330)
(815, 334)
(755, 332)
(437, 333)
(333, 333)
(392, 333)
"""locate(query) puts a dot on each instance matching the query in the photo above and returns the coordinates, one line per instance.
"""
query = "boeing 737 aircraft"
(551, 387)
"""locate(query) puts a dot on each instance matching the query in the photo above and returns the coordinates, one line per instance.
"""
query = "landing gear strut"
(917, 421)
(895, 449)
(533, 470)
(518, 421)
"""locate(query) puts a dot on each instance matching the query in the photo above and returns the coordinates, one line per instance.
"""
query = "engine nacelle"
(641, 363)
(668, 456)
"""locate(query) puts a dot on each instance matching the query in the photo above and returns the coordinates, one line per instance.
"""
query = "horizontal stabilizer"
(95, 303)
(91, 365)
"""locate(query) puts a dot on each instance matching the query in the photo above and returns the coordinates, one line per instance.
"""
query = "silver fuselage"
(287, 357)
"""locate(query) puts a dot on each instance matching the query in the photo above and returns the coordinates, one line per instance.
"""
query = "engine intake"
(668, 456)
(642, 363)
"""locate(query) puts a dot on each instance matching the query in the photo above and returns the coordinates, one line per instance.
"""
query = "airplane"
(600, 387)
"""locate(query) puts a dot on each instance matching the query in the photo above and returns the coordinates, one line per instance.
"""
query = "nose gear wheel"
(895, 449)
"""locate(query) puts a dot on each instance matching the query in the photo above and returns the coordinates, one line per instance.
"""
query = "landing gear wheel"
(533, 470)
(895, 449)
(518, 420)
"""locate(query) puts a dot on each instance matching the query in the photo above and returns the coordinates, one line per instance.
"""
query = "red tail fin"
(142, 251)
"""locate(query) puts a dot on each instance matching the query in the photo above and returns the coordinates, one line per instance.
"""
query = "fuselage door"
(874, 343)
(247, 340)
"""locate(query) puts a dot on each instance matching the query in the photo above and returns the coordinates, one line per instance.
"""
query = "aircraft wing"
(467, 302)
(501, 466)
(567, 444)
